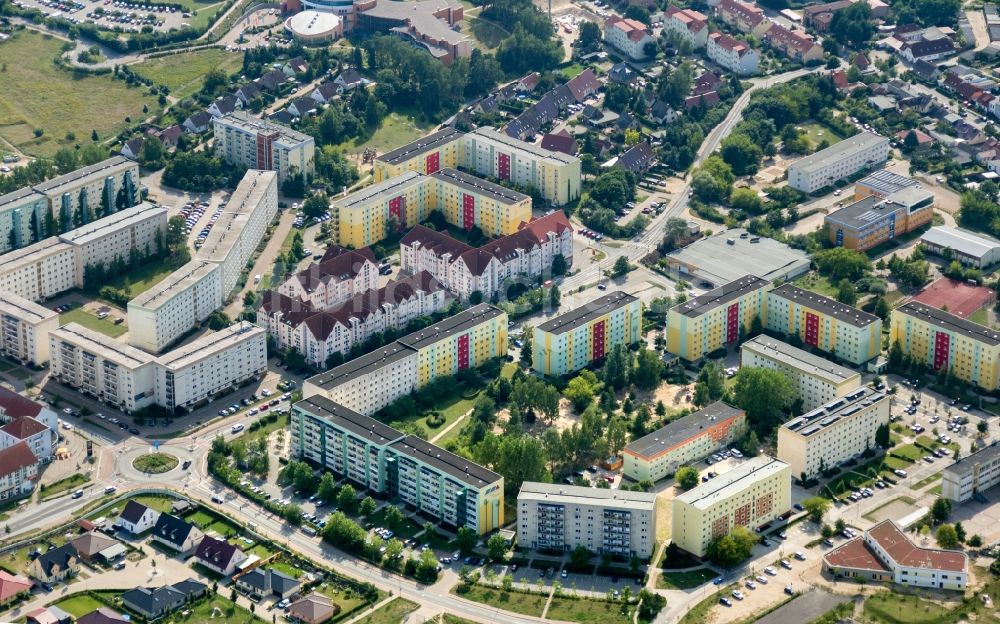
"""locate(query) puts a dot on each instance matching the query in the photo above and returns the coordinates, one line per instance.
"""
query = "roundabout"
(155, 463)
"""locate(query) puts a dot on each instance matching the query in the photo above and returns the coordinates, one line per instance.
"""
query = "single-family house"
(313, 609)
(297, 65)
(348, 80)
(326, 92)
(93, 546)
(56, 564)
(137, 518)
(104, 615)
(198, 122)
(153, 603)
(638, 158)
(262, 583)
(620, 73)
(662, 113)
(169, 135)
(224, 105)
(13, 586)
(302, 107)
(133, 148)
(248, 93)
(272, 81)
(176, 534)
(48, 615)
(561, 141)
(219, 555)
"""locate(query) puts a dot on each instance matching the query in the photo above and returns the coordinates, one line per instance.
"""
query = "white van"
(238, 427)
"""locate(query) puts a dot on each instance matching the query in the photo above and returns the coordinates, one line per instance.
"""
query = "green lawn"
(38, 94)
(215, 610)
(685, 580)
(392, 613)
(589, 611)
(208, 523)
(63, 485)
(90, 321)
(817, 283)
(447, 618)
(486, 32)
(348, 601)
(184, 73)
(288, 569)
(892, 608)
(155, 463)
(927, 481)
(908, 451)
(572, 71)
(980, 316)
(143, 278)
(518, 602)
(409, 528)
(396, 130)
(79, 605)
(817, 132)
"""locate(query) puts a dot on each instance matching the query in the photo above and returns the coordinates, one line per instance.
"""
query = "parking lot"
(117, 15)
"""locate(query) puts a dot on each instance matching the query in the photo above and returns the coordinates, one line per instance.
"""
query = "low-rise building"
(871, 221)
(687, 440)
(585, 335)
(970, 248)
(18, 471)
(176, 534)
(154, 603)
(261, 582)
(616, 523)
(55, 564)
(24, 329)
(817, 380)
(750, 495)
(715, 319)
(969, 477)
(137, 518)
(254, 143)
(628, 36)
(219, 556)
(732, 54)
(13, 587)
(838, 162)
(829, 435)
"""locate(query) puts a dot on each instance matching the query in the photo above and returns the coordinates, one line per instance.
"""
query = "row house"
(338, 276)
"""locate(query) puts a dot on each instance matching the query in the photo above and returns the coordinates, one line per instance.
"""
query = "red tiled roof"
(15, 406)
(23, 428)
(558, 142)
(922, 137)
(12, 585)
(692, 20)
(855, 555)
(15, 457)
(750, 13)
(712, 97)
(439, 242)
(726, 42)
(583, 84)
(341, 266)
(887, 535)
(292, 310)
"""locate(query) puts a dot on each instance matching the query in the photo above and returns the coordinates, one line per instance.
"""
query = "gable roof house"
(56, 564)
(638, 158)
(92, 546)
(297, 65)
(794, 44)
(620, 73)
(104, 615)
(198, 122)
(132, 148)
(219, 555)
(176, 534)
(348, 80)
(927, 49)
(745, 17)
(154, 603)
(224, 105)
(248, 93)
(13, 586)
(302, 107)
(137, 518)
(326, 92)
(272, 81)
(48, 615)
(661, 112)
(686, 24)
(561, 141)
(262, 583)
(24, 420)
(169, 135)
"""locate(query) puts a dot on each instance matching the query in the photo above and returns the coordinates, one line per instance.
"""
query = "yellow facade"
(694, 332)
(576, 339)
(445, 153)
(491, 507)
(441, 359)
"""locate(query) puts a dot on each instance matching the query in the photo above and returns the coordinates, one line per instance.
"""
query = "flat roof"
(245, 200)
(799, 359)
(963, 465)
(20, 196)
(587, 312)
(24, 309)
(420, 146)
(102, 346)
(950, 322)
(120, 220)
(712, 258)
(585, 495)
(495, 135)
(837, 151)
(463, 470)
(831, 307)
(209, 344)
(358, 424)
(32, 253)
(178, 281)
(246, 121)
(451, 325)
(681, 430)
(964, 242)
(885, 182)
(419, 16)
(478, 185)
(97, 170)
(398, 184)
(729, 483)
(827, 415)
(720, 296)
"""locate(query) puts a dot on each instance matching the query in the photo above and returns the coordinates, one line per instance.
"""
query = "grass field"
(392, 613)
(817, 283)
(80, 605)
(213, 611)
(818, 132)
(348, 602)
(589, 611)
(63, 485)
(155, 463)
(927, 481)
(183, 73)
(38, 94)
(396, 130)
(447, 618)
(487, 33)
(894, 608)
(685, 580)
(90, 321)
(209, 523)
(143, 278)
(525, 604)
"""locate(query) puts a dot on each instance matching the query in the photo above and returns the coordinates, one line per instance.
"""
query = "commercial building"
(214, 363)
(254, 143)
(24, 329)
(91, 192)
(881, 184)
(524, 257)
(750, 495)
(616, 523)
(427, 155)
(494, 154)
(684, 441)
(947, 342)
(430, 25)
(817, 380)
(838, 162)
(885, 554)
(141, 229)
(824, 323)
(687, 25)
(628, 36)
(715, 319)
(732, 54)
(829, 435)
(403, 468)
(579, 337)
(969, 477)
(970, 248)
(871, 221)
(311, 27)
(708, 262)
(373, 381)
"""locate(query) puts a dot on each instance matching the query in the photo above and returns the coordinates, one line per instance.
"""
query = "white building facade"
(837, 162)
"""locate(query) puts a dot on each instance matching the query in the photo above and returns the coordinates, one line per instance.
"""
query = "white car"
(770, 571)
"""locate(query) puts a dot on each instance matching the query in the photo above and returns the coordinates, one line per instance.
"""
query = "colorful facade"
(871, 221)
(572, 341)
(947, 342)
(715, 319)
(427, 155)
(823, 323)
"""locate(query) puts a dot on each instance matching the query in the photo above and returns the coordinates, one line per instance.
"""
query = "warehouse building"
(684, 441)
(708, 262)
(838, 162)
(617, 523)
(970, 248)
(715, 319)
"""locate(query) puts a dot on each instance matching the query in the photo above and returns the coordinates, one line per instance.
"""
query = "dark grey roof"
(82, 172)
(363, 365)
(362, 426)
(831, 307)
(190, 587)
(637, 158)
(152, 600)
(258, 579)
(816, 420)
(18, 195)
(57, 556)
(478, 185)
(461, 469)
(282, 583)
(172, 529)
(681, 430)
(586, 313)
(452, 325)
(133, 511)
(950, 322)
(719, 296)
(430, 142)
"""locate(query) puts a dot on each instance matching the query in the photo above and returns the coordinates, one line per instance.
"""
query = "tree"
(741, 153)
(853, 25)
(367, 506)
(347, 500)
(747, 200)
(847, 293)
(710, 385)
(764, 394)
(214, 80)
(559, 265)
(616, 367)
(826, 531)
(327, 490)
(941, 509)
(639, 13)
(152, 153)
(466, 540)
(882, 309)
(982, 427)
(590, 36)
(316, 206)
(648, 369)
(842, 263)
(686, 477)
(581, 390)
(496, 547)
(975, 541)
(621, 267)
(731, 549)
(554, 297)
(816, 507)
(960, 532)
(946, 536)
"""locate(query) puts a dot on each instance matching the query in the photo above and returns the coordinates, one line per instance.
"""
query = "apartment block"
(686, 24)
(817, 380)
(579, 337)
(403, 468)
(23, 421)
(39, 271)
(750, 495)
(24, 329)
(91, 192)
(142, 228)
(102, 367)
(180, 301)
(560, 518)
(493, 154)
(525, 256)
(745, 17)
(247, 141)
(715, 319)
(373, 381)
(969, 477)
(684, 441)
(947, 342)
(833, 433)
(838, 162)
(469, 201)
(22, 218)
(732, 54)
(338, 276)
(628, 36)
(871, 221)
(427, 155)
(824, 323)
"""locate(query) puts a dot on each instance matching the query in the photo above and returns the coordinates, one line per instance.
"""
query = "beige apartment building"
(39, 271)
(24, 329)
(833, 433)
(177, 303)
(817, 380)
(142, 228)
(750, 495)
